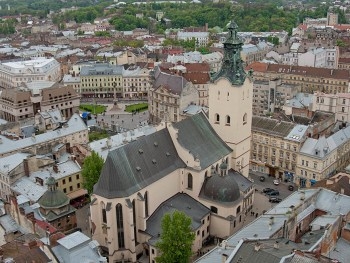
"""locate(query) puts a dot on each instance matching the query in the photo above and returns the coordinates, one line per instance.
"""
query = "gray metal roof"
(341, 250)
(180, 202)
(29, 189)
(10, 162)
(74, 125)
(138, 164)
(101, 69)
(77, 247)
(173, 83)
(198, 136)
(330, 202)
(322, 147)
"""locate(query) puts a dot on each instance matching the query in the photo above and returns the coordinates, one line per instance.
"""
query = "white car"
(276, 182)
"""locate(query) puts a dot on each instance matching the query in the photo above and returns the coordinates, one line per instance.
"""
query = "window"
(146, 203)
(64, 181)
(104, 213)
(134, 219)
(77, 176)
(238, 210)
(64, 190)
(78, 185)
(245, 118)
(217, 118)
(120, 225)
(228, 120)
(71, 188)
(69, 179)
(189, 181)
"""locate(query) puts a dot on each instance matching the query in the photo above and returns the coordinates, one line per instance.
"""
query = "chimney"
(302, 195)
(68, 148)
(223, 258)
(276, 245)
(271, 220)
(55, 168)
(26, 167)
(257, 246)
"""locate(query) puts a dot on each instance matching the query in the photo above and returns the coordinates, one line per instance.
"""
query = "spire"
(232, 66)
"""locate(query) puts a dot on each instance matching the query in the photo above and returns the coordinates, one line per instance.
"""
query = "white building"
(337, 103)
(13, 73)
(201, 38)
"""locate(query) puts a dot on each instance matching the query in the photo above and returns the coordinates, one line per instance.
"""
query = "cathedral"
(198, 166)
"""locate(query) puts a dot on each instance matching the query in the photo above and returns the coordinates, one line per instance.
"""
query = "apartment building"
(251, 52)
(106, 81)
(275, 146)
(169, 95)
(308, 78)
(321, 158)
(22, 103)
(338, 103)
(201, 38)
(271, 95)
(15, 72)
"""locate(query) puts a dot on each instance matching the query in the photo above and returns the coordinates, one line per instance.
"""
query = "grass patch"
(94, 109)
(139, 107)
(97, 135)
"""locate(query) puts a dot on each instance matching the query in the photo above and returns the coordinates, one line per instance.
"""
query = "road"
(282, 187)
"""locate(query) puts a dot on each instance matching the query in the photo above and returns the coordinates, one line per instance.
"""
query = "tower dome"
(53, 198)
(221, 188)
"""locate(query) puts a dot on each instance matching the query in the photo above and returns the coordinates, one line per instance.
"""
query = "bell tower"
(230, 102)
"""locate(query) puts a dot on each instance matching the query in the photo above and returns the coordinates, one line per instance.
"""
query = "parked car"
(267, 190)
(273, 193)
(276, 182)
(275, 199)
(291, 187)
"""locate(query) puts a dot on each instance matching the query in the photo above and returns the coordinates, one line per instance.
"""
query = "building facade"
(169, 96)
(308, 78)
(321, 158)
(275, 147)
(337, 103)
(14, 73)
(271, 95)
(21, 103)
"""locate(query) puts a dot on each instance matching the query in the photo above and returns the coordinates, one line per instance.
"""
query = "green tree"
(91, 170)
(176, 238)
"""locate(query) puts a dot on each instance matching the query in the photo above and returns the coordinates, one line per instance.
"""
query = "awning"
(77, 193)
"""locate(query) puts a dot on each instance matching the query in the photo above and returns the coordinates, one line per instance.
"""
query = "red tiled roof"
(344, 60)
(45, 226)
(342, 26)
(197, 67)
(257, 66)
(197, 77)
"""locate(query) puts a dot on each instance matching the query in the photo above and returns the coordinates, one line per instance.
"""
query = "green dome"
(53, 199)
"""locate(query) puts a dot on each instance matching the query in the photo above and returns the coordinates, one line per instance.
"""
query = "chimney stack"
(26, 167)
(257, 246)
(55, 168)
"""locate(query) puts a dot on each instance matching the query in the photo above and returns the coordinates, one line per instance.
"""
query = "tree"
(176, 238)
(91, 170)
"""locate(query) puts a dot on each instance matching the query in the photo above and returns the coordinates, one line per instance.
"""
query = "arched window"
(189, 181)
(146, 204)
(104, 213)
(228, 120)
(217, 118)
(245, 118)
(134, 219)
(238, 210)
(120, 225)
